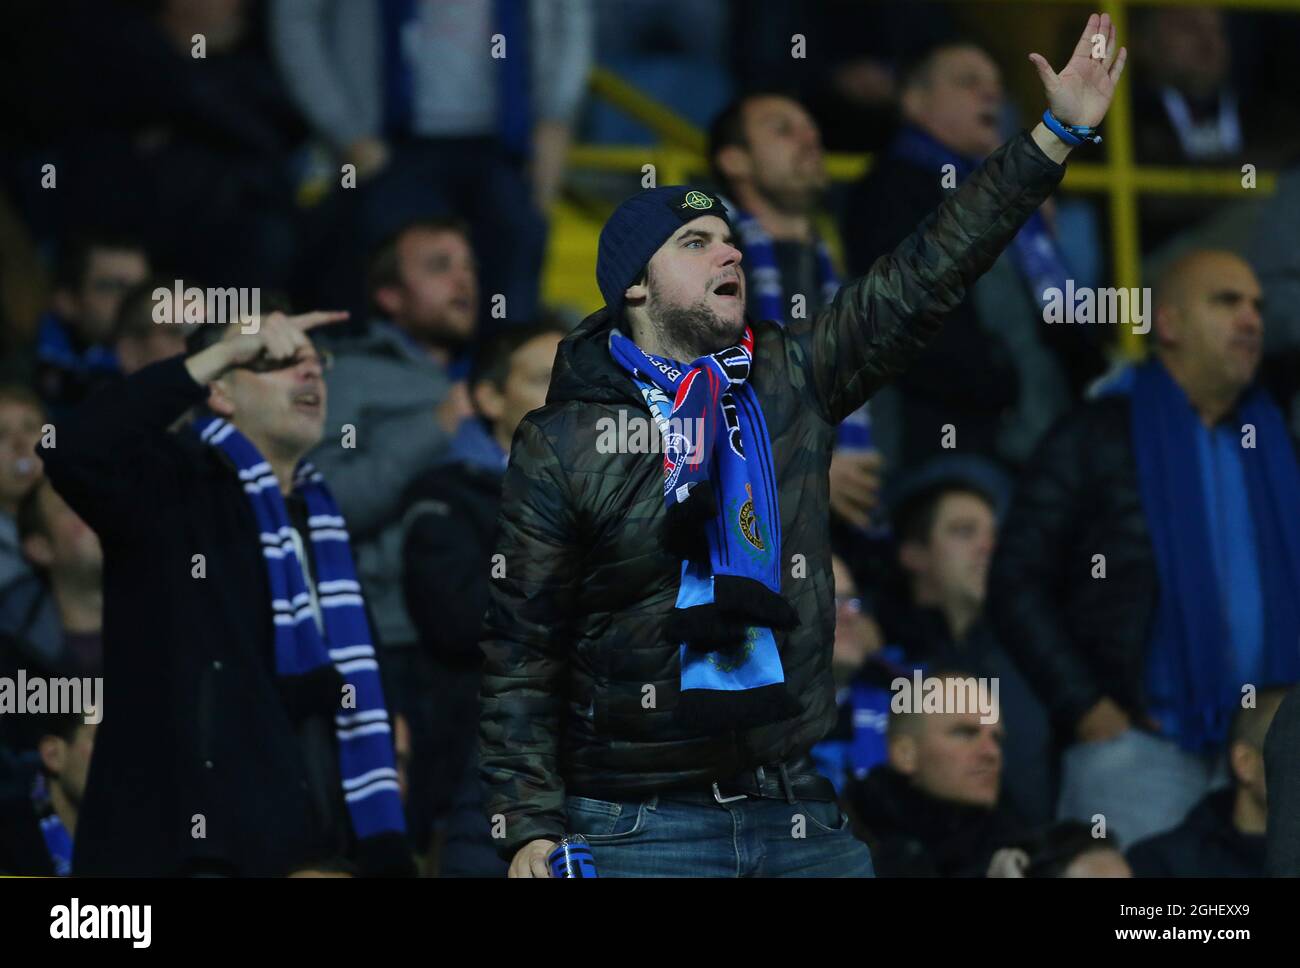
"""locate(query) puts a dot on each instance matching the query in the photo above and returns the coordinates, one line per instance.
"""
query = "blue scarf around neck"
(719, 486)
(1189, 665)
(366, 761)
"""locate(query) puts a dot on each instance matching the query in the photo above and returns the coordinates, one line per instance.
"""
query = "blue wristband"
(1072, 134)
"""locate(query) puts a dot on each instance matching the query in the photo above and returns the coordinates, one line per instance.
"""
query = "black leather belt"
(781, 781)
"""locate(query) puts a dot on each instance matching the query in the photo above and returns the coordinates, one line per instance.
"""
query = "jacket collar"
(584, 369)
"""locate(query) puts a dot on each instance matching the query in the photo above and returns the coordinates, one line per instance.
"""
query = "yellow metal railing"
(680, 155)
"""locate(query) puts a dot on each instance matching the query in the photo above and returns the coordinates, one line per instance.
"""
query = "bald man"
(932, 809)
(1147, 572)
(1223, 836)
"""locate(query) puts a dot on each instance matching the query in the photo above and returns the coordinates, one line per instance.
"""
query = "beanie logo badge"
(698, 200)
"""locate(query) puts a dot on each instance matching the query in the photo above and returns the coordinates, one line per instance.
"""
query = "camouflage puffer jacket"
(573, 631)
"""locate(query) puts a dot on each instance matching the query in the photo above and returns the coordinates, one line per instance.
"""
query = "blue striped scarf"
(765, 275)
(365, 750)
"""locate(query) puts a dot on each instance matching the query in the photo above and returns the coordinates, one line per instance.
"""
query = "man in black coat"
(1282, 773)
(447, 568)
(207, 760)
(1081, 594)
(583, 683)
(1224, 834)
(945, 520)
(933, 809)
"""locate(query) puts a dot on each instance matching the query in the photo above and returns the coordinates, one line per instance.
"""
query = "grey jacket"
(387, 390)
(330, 54)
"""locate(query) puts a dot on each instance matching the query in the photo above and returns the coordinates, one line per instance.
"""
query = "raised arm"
(878, 324)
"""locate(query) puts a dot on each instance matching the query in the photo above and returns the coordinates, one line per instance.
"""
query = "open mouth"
(309, 401)
(730, 288)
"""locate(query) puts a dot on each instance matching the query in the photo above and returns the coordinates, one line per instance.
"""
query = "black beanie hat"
(638, 227)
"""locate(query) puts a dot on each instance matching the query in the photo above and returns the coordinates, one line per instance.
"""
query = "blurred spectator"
(995, 373)
(1148, 568)
(450, 531)
(254, 641)
(1187, 111)
(419, 98)
(1065, 849)
(946, 529)
(862, 675)
(37, 832)
(766, 155)
(139, 337)
(675, 51)
(167, 118)
(932, 810)
(393, 410)
(1282, 778)
(67, 553)
(1274, 250)
(1224, 834)
(74, 351)
(21, 419)
(853, 50)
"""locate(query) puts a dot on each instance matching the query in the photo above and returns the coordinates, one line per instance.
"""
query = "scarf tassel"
(713, 711)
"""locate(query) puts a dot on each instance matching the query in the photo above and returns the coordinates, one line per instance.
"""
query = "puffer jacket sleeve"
(878, 324)
(525, 645)
(1029, 571)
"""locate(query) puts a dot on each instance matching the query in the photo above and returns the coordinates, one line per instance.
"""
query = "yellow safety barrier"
(680, 156)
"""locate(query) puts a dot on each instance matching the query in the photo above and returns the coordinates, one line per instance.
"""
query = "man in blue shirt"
(1148, 575)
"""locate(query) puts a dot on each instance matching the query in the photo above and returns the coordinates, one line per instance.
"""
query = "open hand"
(1081, 93)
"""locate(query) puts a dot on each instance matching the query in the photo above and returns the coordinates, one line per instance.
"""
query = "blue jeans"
(661, 837)
(1143, 784)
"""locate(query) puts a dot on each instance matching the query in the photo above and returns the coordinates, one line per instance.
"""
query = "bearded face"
(696, 289)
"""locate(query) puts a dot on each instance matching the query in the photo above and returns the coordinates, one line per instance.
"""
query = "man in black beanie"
(658, 637)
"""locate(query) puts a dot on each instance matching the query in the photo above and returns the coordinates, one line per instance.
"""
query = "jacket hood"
(585, 371)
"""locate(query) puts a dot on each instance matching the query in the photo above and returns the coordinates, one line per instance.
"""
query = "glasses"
(323, 358)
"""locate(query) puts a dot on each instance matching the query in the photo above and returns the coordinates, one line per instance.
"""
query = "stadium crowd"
(1114, 542)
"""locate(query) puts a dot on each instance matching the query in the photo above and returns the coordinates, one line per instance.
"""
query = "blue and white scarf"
(719, 485)
(765, 275)
(365, 750)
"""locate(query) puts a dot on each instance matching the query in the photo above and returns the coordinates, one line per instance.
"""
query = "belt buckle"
(717, 795)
